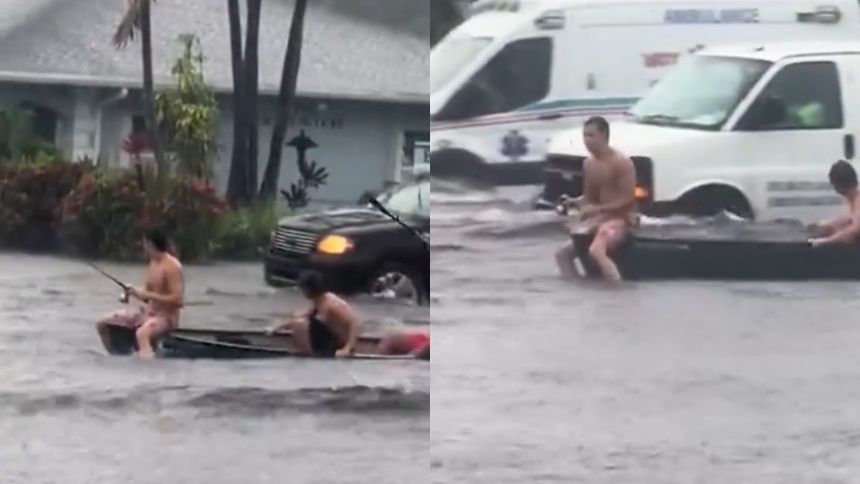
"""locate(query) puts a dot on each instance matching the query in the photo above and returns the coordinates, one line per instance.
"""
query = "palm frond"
(130, 23)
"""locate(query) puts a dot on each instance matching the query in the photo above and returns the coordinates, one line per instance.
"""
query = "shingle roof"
(361, 49)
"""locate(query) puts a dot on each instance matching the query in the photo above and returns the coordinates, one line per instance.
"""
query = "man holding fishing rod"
(163, 295)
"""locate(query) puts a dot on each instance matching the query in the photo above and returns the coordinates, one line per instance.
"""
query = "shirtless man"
(328, 328)
(608, 201)
(163, 296)
(844, 229)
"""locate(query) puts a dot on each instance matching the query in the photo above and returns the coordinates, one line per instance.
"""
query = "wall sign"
(316, 121)
(660, 59)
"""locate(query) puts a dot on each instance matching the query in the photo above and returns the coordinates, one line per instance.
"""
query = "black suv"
(359, 250)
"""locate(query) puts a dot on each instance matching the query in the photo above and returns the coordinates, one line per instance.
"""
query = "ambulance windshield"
(700, 93)
(452, 55)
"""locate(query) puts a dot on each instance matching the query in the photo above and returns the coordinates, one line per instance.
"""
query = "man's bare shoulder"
(172, 264)
(854, 206)
(620, 157)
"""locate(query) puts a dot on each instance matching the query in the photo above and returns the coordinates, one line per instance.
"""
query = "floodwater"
(539, 381)
(69, 414)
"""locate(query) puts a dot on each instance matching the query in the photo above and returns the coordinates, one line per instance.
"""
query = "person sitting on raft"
(844, 229)
(329, 328)
(607, 207)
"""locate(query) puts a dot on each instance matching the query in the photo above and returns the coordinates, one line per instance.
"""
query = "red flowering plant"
(192, 215)
(30, 200)
(108, 215)
(101, 217)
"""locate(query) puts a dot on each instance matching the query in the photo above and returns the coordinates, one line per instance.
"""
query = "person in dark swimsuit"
(321, 339)
(329, 328)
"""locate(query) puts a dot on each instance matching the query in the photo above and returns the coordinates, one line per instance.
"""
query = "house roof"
(358, 49)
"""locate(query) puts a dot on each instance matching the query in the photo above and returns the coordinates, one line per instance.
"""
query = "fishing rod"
(373, 201)
(124, 297)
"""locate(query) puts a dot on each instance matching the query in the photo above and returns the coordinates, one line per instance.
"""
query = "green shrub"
(243, 233)
(30, 199)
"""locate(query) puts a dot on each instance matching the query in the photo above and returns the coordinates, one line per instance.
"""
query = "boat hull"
(230, 344)
(775, 251)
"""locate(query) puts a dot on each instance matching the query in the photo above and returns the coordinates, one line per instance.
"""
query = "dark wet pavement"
(71, 415)
(538, 381)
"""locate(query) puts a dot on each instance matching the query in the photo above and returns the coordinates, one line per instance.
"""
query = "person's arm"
(830, 226)
(289, 320)
(847, 233)
(176, 289)
(590, 189)
(627, 187)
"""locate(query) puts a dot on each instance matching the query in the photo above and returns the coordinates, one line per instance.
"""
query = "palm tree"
(286, 101)
(252, 85)
(238, 181)
(137, 17)
(242, 184)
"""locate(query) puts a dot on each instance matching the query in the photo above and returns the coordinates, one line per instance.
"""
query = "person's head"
(843, 177)
(311, 285)
(595, 134)
(155, 243)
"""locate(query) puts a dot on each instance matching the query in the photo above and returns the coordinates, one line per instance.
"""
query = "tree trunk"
(251, 86)
(149, 91)
(238, 182)
(286, 101)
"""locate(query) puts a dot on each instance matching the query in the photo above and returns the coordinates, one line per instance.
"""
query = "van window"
(700, 92)
(518, 75)
(807, 95)
(451, 56)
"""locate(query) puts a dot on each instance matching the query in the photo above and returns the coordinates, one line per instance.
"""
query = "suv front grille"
(294, 241)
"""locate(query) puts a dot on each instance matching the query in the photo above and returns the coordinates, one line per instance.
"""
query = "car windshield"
(412, 200)
(449, 57)
(700, 93)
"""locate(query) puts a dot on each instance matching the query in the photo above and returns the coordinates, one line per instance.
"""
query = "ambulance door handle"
(549, 116)
(848, 146)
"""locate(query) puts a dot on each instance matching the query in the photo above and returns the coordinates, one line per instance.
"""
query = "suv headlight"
(334, 245)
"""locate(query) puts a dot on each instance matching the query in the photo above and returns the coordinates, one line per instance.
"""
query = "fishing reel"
(562, 207)
(124, 297)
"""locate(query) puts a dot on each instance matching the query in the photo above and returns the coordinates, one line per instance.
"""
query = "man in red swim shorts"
(413, 343)
(607, 205)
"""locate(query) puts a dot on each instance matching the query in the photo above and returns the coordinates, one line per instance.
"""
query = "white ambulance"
(749, 129)
(518, 71)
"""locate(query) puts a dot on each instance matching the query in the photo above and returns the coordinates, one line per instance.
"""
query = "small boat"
(231, 344)
(726, 250)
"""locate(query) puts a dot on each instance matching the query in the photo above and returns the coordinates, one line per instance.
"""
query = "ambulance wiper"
(658, 118)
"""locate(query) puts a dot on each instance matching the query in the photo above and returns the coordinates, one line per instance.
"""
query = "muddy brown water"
(71, 415)
(538, 381)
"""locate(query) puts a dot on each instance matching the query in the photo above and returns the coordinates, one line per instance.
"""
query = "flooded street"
(69, 414)
(538, 381)
(535, 380)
